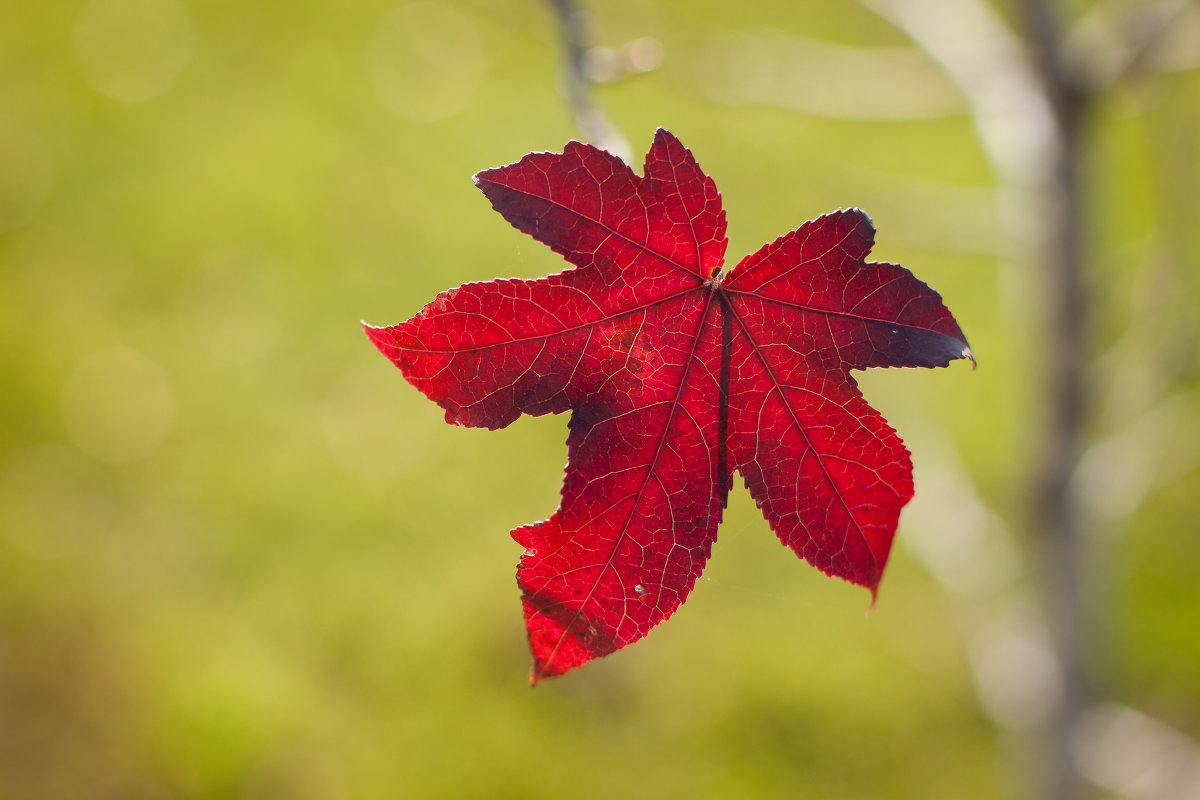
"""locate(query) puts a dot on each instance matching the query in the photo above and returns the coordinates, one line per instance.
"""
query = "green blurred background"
(241, 557)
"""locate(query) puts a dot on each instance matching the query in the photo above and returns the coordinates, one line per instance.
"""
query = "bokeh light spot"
(365, 433)
(425, 61)
(118, 405)
(26, 167)
(134, 50)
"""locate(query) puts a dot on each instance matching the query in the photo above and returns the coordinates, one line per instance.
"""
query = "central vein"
(723, 399)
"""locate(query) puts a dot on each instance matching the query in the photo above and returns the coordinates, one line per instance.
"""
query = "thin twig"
(592, 121)
(1101, 57)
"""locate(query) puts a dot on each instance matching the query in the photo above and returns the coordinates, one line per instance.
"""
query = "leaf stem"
(723, 476)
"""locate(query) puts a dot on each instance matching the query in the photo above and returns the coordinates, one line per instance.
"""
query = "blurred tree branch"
(1107, 46)
(577, 83)
(1030, 105)
(1029, 98)
(1057, 519)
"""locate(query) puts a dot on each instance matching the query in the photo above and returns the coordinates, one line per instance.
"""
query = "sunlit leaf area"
(241, 557)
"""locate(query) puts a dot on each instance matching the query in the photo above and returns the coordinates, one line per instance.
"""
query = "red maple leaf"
(677, 373)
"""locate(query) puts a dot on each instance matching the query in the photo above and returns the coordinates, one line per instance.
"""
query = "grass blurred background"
(241, 557)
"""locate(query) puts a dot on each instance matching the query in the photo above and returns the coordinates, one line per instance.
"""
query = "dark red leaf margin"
(677, 373)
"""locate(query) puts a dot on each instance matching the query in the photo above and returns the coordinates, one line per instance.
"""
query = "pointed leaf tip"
(863, 214)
